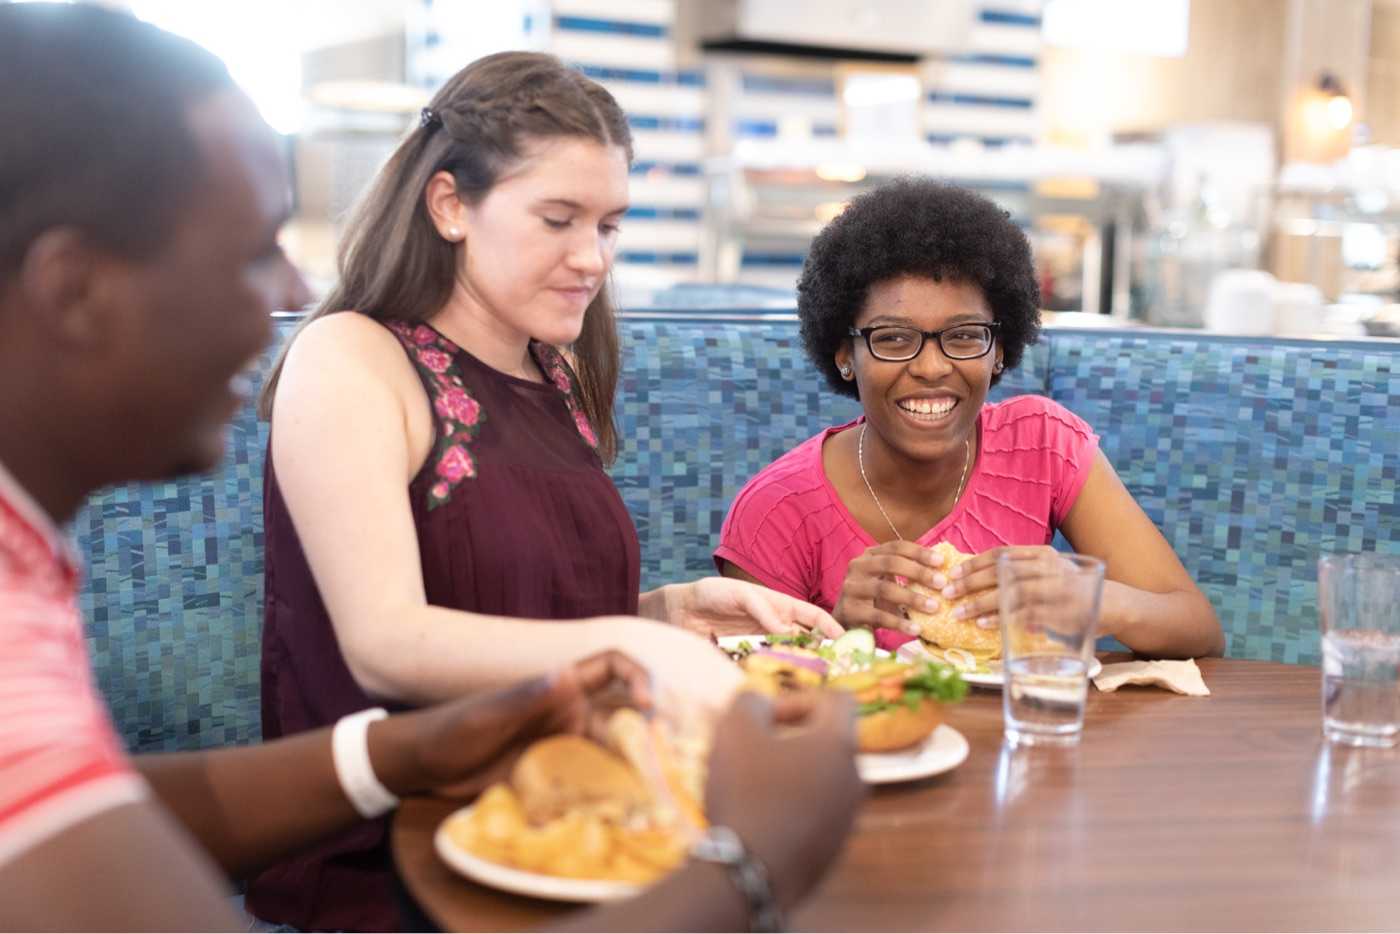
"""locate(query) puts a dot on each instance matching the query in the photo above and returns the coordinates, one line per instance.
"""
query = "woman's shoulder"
(341, 356)
(1034, 420)
(342, 335)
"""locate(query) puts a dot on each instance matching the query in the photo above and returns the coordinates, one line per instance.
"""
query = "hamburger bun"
(565, 773)
(894, 712)
(898, 727)
(941, 628)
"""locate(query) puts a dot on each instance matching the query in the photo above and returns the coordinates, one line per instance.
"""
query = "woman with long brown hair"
(438, 517)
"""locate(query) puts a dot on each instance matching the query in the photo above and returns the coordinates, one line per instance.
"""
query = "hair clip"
(428, 117)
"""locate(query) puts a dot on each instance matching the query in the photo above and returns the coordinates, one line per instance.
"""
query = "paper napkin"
(1183, 677)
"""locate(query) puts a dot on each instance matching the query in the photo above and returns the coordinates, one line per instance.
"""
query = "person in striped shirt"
(140, 202)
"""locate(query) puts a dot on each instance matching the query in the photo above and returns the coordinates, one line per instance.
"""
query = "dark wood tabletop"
(1174, 813)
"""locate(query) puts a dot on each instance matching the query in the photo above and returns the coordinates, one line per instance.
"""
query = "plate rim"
(952, 735)
(504, 878)
(986, 679)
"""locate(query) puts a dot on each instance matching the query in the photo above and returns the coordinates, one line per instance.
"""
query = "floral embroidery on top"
(434, 356)
(461, 415)
(552, 362)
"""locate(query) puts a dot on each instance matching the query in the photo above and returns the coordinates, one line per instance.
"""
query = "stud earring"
(998, 368)
(454, 233)
(845, 372)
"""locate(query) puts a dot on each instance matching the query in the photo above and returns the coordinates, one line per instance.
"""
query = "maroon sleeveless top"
(515, 517)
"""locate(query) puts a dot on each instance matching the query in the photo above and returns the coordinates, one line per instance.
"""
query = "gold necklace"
(860, 459)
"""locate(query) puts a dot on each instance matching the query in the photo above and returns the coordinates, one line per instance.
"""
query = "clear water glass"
(1049, 605)
(1358, 599)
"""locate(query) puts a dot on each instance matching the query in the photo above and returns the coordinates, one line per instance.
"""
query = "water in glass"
(1044, 699)
(1361, 686)
(1358, 596)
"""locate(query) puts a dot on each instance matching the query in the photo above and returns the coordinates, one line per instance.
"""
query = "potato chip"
(596, 830)
(498, 814)
(660, 849)
(535, 848)
(491, 827)
(584, 847)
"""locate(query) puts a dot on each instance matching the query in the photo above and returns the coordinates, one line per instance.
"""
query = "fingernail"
(950, 591)
(930, 603)
(960, 612)
(957, 571)
(939, 581)
(984, 622)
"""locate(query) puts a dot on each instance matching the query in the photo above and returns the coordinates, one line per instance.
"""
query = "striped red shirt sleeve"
(61, 761)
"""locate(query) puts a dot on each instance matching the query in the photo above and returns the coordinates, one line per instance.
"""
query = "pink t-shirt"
(60, 760)
(790, 530)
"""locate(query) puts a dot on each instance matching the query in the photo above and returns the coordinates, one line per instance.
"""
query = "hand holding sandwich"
(876, 589)
(972, 585)
(461, 747)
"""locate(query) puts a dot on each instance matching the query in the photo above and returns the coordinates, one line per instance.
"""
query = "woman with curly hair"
(915, 300)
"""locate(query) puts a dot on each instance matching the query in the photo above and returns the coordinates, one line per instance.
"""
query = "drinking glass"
(1049, 612)
(1358, 597)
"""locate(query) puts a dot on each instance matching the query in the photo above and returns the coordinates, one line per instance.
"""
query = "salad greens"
(801, 640)
(939, 682)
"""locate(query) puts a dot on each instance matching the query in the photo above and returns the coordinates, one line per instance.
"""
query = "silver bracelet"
(722, 845)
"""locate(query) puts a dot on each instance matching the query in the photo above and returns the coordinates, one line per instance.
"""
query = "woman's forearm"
(652, 604)
(1178, 624)
(431, 654)
(425, 654)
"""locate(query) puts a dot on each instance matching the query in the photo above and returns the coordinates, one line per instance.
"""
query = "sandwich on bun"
(564, 773)
(959, 641)
(576, 808)
(899, 704)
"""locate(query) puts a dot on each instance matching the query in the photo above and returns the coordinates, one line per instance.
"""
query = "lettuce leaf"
(939, 682)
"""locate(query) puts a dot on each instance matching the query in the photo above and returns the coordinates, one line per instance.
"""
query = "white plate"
(538, 885)
(914, 652)
(945, 749)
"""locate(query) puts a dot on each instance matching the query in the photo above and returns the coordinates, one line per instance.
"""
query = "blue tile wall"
(173, 599)
(1252, 458)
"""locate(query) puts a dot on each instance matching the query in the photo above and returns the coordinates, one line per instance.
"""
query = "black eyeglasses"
(896, 344)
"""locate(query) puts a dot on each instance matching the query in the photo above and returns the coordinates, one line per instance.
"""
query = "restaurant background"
(1225, 165)
(1229, 164)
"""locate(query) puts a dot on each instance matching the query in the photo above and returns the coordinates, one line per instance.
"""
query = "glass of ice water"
(1358, 597)
(1049, 606)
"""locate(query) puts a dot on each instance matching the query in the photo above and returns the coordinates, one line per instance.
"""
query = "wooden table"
(1227, 812)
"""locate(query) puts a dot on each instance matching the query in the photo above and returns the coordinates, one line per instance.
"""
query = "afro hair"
(916, 227)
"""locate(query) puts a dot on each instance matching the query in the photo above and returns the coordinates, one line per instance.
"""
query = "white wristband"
(350, 752)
